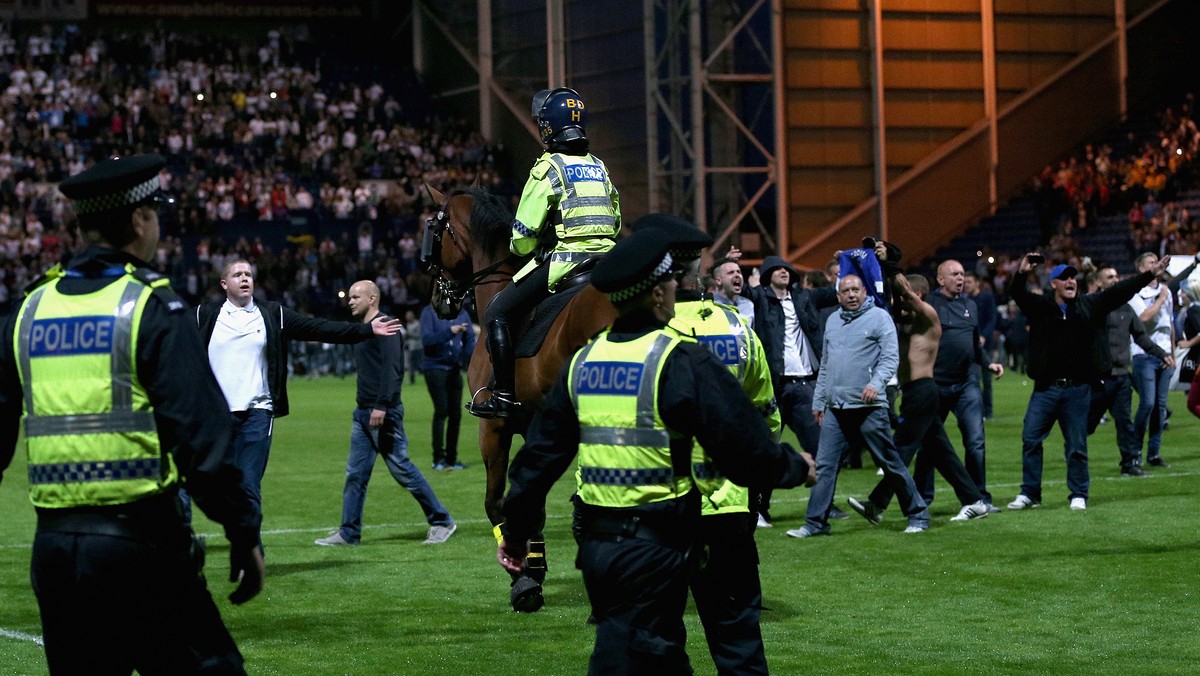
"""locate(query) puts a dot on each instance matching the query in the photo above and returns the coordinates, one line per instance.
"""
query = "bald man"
(378, 429)
(959, 360)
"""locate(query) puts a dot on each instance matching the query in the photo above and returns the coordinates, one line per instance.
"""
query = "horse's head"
(446, 251)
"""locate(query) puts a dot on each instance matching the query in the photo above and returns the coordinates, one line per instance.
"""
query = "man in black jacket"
(247, 346)
(787, 319)
(378, 429)
(1068, 351)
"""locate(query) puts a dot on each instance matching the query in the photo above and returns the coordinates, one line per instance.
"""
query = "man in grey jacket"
(860, 356)
(1114, 392)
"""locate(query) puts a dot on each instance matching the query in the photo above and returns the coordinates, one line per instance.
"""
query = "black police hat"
(686, 241)
(634, 265)
(116, 182)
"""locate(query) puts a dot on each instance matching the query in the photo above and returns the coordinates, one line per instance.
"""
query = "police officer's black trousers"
(111, 604)
(508, 307)
(638, 591)
(728, 594)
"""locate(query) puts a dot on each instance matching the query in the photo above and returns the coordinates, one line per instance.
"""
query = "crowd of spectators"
(262, 137)
(1142, 179)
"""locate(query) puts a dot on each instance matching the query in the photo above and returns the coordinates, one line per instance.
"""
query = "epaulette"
(161, 285)
(50, 275)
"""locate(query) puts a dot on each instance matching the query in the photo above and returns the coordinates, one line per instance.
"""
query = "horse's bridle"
(454, 290)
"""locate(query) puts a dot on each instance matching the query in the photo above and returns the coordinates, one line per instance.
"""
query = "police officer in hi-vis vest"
(630, 405)
(725, 584)
(569, 211)
(103, 365)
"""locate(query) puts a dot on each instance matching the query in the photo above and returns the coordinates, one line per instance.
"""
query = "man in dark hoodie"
(569, 211)
(787, 319)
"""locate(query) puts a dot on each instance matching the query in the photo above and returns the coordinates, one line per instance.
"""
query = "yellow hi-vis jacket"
(728, 336)
(624, 447)
(89, 428)
(577, 188)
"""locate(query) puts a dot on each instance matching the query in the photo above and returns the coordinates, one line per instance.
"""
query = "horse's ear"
(475, 183)
(438, 198)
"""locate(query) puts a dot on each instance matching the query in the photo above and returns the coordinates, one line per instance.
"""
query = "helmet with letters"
(560, 115)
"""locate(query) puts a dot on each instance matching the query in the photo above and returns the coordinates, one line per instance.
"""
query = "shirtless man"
(918, 331)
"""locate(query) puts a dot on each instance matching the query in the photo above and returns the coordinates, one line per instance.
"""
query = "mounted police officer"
(569, 211)
(104, 366)
(630, 405)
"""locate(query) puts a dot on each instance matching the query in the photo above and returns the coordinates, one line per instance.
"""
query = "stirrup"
(499, 405)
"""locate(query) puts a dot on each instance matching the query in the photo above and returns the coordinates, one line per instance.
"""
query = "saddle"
(531, 334)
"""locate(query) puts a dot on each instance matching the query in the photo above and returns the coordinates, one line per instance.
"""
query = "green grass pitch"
(1112, 590)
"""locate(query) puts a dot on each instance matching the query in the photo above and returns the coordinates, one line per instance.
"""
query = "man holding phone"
(448, 344)
(1068, 352)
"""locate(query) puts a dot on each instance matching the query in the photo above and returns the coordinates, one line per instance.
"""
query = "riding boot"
(503, 401)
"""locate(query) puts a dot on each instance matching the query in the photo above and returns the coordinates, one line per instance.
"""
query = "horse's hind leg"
(526, 588)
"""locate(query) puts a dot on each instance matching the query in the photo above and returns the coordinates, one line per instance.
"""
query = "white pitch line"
(20, 636)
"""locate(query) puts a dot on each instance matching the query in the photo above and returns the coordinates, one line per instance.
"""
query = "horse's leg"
(495, 444)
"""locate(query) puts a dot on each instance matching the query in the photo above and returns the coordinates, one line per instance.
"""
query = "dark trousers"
(921, 433)
(795, 397)
(445, 389)
(113, 604)
(1115, 395)
(638, 591)
(728, 593)
(519, 298)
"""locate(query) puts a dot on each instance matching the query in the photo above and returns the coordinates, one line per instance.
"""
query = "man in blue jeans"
(247, 343)
(1155, 306)
(960, 359)
(1068, 352)
(861, 354)
(378, 429)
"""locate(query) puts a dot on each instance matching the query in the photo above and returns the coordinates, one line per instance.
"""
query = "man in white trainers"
(1067, 344)
(378, 430)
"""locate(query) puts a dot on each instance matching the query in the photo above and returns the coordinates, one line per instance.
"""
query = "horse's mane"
(491, 220)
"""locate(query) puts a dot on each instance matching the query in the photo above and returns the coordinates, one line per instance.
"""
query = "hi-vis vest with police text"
(578, 188)
(624, 447)
(730, 339)
(89, 427)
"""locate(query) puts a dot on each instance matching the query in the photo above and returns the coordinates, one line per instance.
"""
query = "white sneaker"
(335, 539)
(1079, 504)
(763, 523)
(1023, 501)
(439, 534)
(804, 532)
(976, 510)
(916, 528)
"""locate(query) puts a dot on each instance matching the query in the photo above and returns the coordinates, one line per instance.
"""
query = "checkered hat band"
(686, 254)
(660, 271)
(134, 195)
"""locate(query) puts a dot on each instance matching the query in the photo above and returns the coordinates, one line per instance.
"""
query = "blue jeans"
(965, 399)
(251, 445)
(1068, 406)
(870, 428)
(1151, 380)
(390, 442)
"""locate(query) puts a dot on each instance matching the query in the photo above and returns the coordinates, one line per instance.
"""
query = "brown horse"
(465, 247)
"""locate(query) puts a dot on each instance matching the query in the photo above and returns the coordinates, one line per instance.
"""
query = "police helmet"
(560, 115)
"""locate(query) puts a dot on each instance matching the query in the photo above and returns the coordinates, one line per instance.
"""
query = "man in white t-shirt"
(247, 342)
(1151, 375)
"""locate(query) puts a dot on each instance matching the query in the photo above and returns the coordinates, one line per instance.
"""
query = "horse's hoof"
(527, 595)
